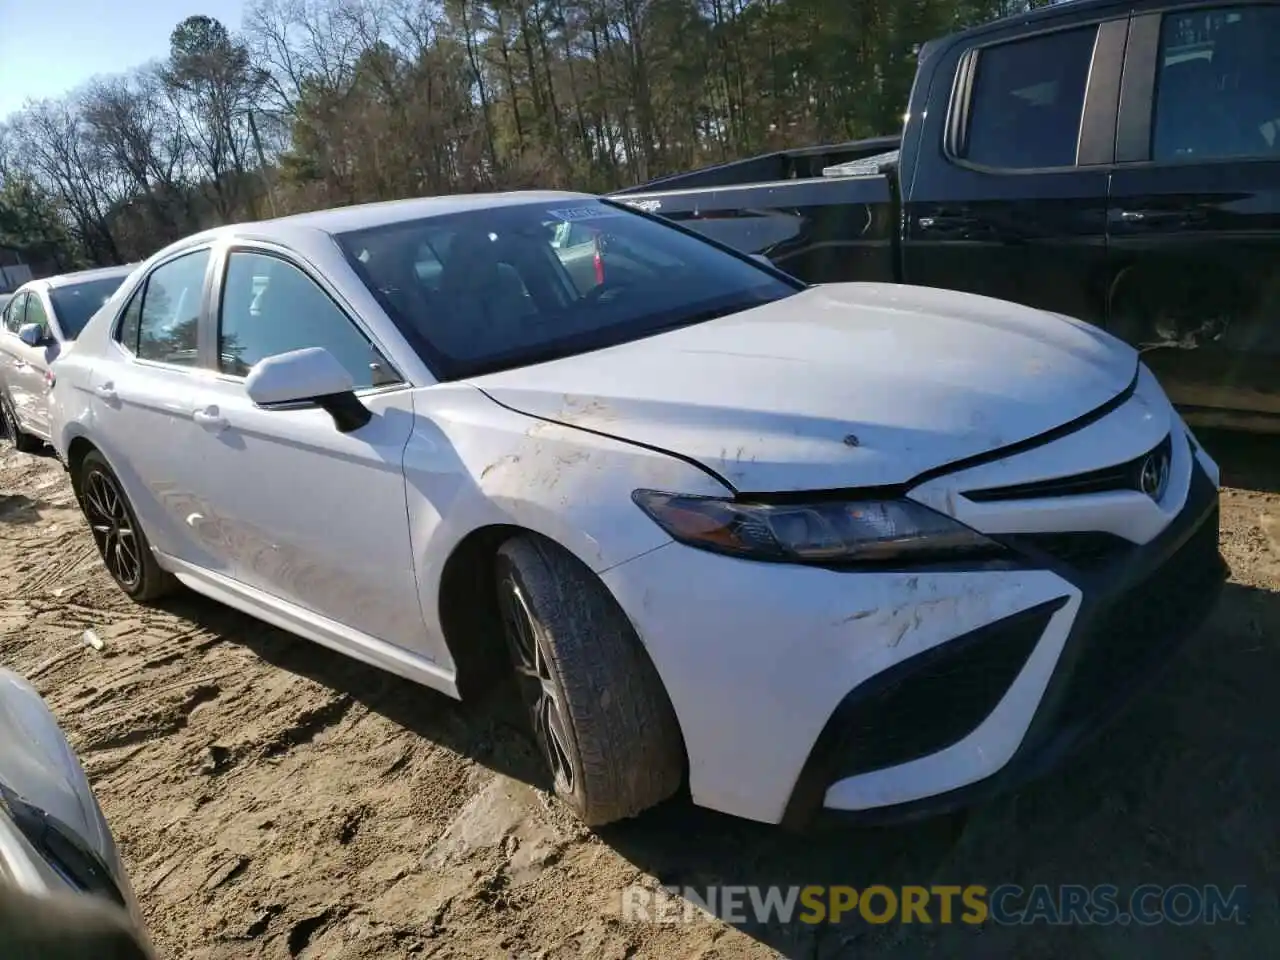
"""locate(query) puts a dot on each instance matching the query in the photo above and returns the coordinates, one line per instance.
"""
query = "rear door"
(1007, 193)
(1194, 222)
(141, 394)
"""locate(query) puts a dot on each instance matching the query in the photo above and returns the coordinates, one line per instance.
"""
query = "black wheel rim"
(113, 528)
(537, 686)
(7, 422)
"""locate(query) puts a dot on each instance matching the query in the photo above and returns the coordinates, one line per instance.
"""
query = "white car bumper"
(897, 693)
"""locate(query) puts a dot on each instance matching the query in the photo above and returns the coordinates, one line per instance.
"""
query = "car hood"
(845, 385)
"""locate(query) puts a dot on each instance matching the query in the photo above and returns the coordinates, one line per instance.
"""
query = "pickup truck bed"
(1033, 166)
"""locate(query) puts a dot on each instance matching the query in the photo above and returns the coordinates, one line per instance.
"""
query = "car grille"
(1143, 622)
(1081, 551)
(1122, 476)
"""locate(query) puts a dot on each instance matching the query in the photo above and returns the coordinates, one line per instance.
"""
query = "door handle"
(946, 221)
(1163, 217)
(210, 419)
(106, 391)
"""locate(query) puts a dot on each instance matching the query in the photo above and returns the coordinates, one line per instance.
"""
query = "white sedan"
(863, 548)
(40, 321)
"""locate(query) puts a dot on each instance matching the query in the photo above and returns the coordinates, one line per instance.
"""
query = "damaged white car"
(859, 548)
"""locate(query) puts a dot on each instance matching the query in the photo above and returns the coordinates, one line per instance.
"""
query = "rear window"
(508, 286)
(75, 303)
(1027, 99)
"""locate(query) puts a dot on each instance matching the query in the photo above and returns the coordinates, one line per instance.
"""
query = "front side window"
(1027, 99)
(36, 314)
(75, 303)
(13, 312)
(170, 310)
(269, 306)
(527, 283)
(1218, 85)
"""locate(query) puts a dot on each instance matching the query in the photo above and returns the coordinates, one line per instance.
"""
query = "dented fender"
(472, 463)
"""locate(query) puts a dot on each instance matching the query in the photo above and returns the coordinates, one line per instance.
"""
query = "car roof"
(83, 276)
(361, 216)
(300, 231)
(1041, 13)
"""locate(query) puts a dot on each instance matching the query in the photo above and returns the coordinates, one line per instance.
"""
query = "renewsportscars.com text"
(973, 904)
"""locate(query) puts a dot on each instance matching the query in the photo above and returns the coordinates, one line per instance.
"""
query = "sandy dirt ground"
(275, 800)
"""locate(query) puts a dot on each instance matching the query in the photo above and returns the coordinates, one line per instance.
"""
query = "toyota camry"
(859, 548)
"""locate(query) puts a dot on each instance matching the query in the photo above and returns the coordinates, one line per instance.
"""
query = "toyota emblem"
(1154, 476)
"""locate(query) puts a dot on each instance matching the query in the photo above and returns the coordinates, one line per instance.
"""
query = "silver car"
(56, 849)
(40, 319)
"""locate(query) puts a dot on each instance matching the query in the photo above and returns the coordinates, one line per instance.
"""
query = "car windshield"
(509, 286)
(75, 303)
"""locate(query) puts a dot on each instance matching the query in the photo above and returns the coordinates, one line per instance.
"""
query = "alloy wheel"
(8, 423)
(537, 687)
(113, 528)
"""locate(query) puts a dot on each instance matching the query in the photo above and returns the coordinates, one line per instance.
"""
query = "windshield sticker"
(595, 212)
(648, 206)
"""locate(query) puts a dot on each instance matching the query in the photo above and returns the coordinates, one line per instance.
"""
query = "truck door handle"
(946, 221)
(210, 419)
(1162, 217)
(106, 391)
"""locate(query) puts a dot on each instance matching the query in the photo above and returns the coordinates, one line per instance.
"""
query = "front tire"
(121, 543)
(22, 442)
(601, 716)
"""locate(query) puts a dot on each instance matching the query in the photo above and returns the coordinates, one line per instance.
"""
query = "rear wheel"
(22, 442)
(600, 715)
(121, 543)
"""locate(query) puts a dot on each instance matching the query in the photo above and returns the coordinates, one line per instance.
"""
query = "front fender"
(472, 463)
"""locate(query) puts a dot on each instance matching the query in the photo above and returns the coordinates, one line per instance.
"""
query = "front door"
(1195, 205)
(31, 368)
(303, 512)
(13, 378)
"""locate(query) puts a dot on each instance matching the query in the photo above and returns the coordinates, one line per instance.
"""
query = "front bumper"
(1135, 611)
(898, 694)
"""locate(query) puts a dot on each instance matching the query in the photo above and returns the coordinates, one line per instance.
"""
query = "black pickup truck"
(1114, 160)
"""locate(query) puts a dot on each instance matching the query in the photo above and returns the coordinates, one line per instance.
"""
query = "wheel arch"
(78, 448)
(467, 608)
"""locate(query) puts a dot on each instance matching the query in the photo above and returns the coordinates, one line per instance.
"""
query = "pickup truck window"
(1218, 86)
(1026, 101)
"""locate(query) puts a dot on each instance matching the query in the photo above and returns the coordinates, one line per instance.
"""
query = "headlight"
(874, 531)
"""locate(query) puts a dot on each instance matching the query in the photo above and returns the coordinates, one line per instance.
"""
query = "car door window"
(36, 314)
(1218, 85)
(1026, 101)
(169, 311)
(13, 312)
(270, 306)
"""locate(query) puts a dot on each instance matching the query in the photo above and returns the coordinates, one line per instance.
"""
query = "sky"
(50, 47)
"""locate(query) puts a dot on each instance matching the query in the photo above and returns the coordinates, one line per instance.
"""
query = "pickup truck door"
(1005, 182)
(1194, 222)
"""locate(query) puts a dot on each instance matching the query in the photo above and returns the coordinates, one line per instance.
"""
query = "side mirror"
(32, 334)
(309, 375)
